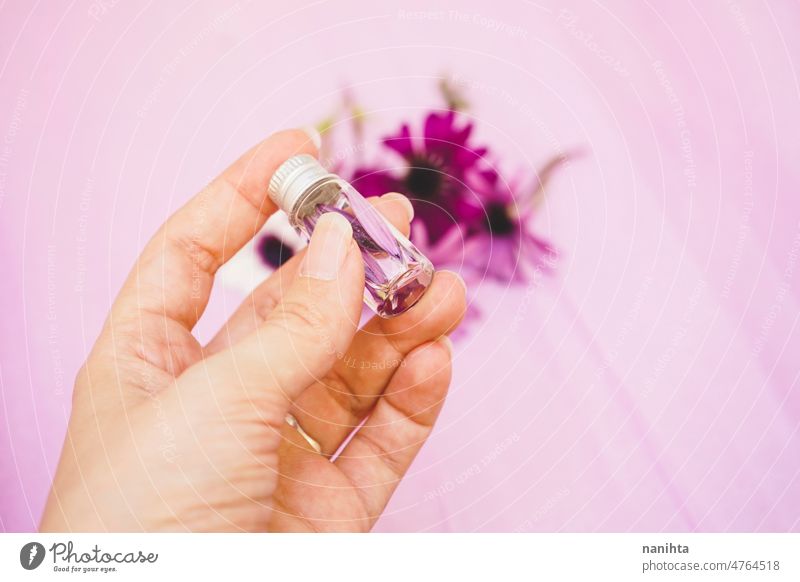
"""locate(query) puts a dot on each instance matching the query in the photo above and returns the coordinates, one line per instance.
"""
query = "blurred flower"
(273, 251)
(502, 244)
(441, 169)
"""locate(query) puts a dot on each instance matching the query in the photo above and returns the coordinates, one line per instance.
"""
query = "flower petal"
(374, 181)
(439, 134)
(402, 143)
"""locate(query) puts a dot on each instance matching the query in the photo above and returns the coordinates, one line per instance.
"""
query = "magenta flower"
(499, 243)
(442, 171)
(503, 245)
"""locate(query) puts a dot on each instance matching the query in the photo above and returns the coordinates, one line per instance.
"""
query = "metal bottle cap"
(293, 177)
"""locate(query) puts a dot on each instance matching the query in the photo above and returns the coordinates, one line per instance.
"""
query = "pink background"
(651, 385)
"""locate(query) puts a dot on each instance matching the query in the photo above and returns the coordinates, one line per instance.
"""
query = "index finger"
(173, 276)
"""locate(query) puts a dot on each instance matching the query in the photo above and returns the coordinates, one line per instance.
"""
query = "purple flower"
(442, 171)
(273, 251)
(506, 249)
(501, 244)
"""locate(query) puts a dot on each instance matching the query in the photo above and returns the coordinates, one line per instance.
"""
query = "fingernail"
(446, 342)
(404, 201)
(313, 135)
(328, 247)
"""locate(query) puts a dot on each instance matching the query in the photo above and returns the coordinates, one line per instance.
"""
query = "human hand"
(167, 434)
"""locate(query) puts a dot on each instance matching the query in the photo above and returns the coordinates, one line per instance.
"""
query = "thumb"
(305, 334)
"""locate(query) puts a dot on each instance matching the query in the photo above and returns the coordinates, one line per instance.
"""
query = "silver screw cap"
(293, 177)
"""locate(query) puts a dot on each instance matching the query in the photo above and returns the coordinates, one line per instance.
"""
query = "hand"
(166, 434)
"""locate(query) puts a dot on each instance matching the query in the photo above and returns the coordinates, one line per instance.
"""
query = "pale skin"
(167, 434)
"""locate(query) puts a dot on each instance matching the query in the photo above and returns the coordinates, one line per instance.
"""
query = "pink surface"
(651, 385)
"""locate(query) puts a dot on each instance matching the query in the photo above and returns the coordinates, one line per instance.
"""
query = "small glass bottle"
(396, 273)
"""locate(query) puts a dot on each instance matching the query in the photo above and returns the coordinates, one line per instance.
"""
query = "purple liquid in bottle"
(396, 273)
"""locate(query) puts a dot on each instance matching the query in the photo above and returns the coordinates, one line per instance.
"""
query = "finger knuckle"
(204, 258)
(304, 317)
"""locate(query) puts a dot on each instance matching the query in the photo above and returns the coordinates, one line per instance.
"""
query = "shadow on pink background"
(651, 385)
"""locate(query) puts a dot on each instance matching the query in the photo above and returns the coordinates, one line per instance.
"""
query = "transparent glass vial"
(396, 273)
